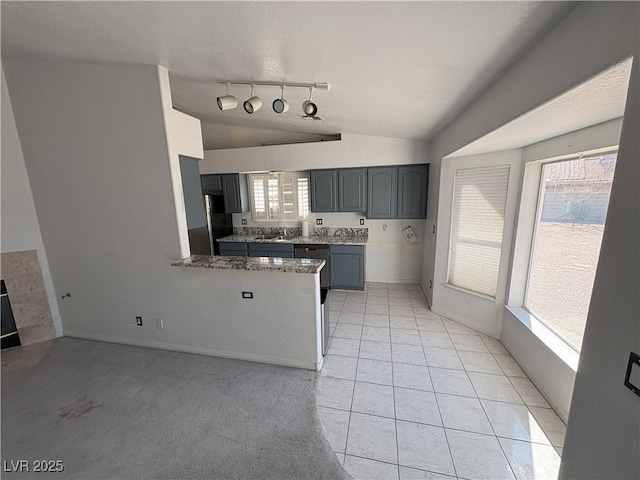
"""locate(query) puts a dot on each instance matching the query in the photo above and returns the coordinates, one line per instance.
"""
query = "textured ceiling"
(398, 69)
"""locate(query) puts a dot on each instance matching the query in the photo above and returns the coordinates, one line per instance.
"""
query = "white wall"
(603, 433)
(566, 56)
(99, 162)
(20, 229)
(183, 137)
(351, 151)
(388, 257)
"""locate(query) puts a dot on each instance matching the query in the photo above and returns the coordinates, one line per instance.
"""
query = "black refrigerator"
(202, 240)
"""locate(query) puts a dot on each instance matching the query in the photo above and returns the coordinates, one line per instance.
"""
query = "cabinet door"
(352, 190)
(412, 191)
(233, 249)
(382, 185)
(271, 250)
(324, 190)
(347, 267)
(211, 183)
(236, 193)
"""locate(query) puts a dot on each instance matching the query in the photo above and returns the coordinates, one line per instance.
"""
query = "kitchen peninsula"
(272, 310)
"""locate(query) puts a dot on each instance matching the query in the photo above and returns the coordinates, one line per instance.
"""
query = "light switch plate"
(247, 294)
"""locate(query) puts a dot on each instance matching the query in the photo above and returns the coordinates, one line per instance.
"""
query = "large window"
(572, 208)
(477, 225)
(279, 196)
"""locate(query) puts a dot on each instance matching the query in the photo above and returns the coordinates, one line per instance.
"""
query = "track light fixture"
(308, 107)
(253, 104)
(280, 105)
(227, 102)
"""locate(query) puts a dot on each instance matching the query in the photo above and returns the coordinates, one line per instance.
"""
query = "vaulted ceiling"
(397, 69)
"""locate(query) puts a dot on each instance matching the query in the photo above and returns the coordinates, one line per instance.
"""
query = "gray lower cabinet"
(383, 183)
(347, 266)
(324, 190)
(236, 192)
(233, 249)
(282, 250)
(352, 190)
(412, 191)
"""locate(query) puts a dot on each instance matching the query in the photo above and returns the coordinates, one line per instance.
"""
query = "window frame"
(540, 165)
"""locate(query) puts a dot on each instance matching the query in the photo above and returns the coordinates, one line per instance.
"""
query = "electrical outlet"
(247, 294)
(159, 323)
(362, 221)
(244, 221)
(318, 221)
(139, 321)
(430, 284)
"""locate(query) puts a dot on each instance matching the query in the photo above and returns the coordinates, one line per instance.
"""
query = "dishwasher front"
(320, 252)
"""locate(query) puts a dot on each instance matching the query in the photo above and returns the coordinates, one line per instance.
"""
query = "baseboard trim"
(187, 349)
(412, 281)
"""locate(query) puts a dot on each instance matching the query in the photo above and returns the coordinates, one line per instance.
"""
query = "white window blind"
(477, 224)
(279, 196)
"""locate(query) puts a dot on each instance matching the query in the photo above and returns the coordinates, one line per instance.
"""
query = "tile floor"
(408, 394)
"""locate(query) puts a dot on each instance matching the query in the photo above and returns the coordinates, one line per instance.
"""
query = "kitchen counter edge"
(311, 240)
(256, 264)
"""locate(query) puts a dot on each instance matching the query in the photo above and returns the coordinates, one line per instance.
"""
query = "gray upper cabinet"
(324, 190)
(211, 183)
(412, 191)
(352, 190)
(383, 183)
(236, 193)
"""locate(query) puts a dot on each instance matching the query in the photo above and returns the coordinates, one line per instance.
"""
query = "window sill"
(470, 292)
(547, 336)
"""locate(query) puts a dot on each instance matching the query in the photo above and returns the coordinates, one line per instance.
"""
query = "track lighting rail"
(318, 85)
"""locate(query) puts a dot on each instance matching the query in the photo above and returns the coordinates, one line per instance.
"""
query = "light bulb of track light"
(309, 108)
(280, 105)
(253, 104)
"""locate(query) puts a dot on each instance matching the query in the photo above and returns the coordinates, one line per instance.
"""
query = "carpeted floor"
(118, 412)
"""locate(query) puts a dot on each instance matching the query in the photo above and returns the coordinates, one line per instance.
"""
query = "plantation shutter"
(477, 224)
(259, 197)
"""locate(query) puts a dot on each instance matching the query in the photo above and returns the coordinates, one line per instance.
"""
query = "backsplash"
(297, 231)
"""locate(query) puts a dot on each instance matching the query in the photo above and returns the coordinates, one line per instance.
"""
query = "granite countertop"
(310, 240)
(262, 264)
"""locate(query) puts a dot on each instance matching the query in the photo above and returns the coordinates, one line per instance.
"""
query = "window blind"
(477, 224)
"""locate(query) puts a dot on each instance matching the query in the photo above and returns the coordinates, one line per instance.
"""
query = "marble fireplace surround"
(23, 276)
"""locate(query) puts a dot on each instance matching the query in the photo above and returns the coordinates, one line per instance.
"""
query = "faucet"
(285, 232)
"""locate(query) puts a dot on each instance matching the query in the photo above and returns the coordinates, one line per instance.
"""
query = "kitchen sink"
(265, 237)
(284, 238)
(275, 238)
